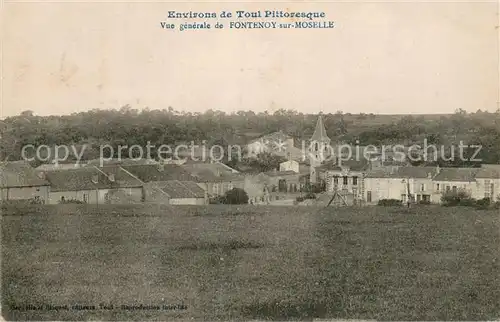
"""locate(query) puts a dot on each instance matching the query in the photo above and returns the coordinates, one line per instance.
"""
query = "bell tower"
(319, 147)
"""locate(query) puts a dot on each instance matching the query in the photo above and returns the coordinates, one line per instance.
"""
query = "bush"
(310, 195)
(236, 196)
(299, 199)
(424, 202)
(483, 203)
(496, 205)
(390, 202)
(71, 201)
(457, 198)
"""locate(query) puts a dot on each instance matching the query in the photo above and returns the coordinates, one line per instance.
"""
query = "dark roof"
(182, 189)
(19, 174)
(108, 177)
(457, 174)
(77, 179)
(122, 177)
(153, 172)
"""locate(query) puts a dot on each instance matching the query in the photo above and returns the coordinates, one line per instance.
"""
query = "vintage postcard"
(249, 161)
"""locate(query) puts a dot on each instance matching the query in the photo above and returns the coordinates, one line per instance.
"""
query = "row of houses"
(190, 183)
(369, 184)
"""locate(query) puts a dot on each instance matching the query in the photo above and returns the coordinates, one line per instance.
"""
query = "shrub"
(496, 205)
(310, 195)
(236, 196)
(390, 202)
(424, 202)
(299, 199)
(457, 198)
(71, 201)
(483, 203)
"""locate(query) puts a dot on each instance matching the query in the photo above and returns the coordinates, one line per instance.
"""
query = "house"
(215, 178)
(256, 187)
(110, 184)
(176, 192)
(343, 178)
(399, 182)
(453, 179)
(488, 182)
(19, 181)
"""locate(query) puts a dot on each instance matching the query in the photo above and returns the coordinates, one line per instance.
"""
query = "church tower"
(319, 147)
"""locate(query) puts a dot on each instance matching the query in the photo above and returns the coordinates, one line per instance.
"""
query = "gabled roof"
(156, 172)
(456, 174)
(182, 189)
(79, 179)
(320, 132)
(19, 174)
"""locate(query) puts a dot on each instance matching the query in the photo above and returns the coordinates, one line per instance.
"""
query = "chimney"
(161, 166)
(95, 178)
(438, 169)
(111, 177)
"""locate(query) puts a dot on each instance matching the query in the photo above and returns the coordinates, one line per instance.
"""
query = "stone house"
(19, 181)
(454, 179)
(93, 185)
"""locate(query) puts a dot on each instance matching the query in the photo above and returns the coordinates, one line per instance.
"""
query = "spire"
(319, 134)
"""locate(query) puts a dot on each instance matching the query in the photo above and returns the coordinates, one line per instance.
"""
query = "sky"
(381, 57)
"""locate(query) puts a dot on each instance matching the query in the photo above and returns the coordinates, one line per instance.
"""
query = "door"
(369, 196)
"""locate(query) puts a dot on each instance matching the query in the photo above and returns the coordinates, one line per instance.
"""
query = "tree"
(236, 196)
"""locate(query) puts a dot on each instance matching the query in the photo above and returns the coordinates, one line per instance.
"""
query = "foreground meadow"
(240, 263)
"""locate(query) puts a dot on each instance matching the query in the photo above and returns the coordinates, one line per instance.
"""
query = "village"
(315, 180)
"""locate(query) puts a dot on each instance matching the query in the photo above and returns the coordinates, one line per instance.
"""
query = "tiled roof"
(19, 174)
(77, 179)
(153, 172)
(457, 174)
(122, 178)
(108, 177)
(182, 189)
(353, 165)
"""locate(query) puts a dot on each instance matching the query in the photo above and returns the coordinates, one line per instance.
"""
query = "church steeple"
(319, 134)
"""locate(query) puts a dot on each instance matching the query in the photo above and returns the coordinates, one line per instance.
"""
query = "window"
(62, 198)
(454, 188)
(85, 197)
(369, 196)
(216, 189)
(447, 188)
(437, 186)
(422, 187)
(336, 180)
(354, 181)
(316, 146)
(345, 180)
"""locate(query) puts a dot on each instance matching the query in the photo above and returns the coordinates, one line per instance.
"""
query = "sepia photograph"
(300, 160)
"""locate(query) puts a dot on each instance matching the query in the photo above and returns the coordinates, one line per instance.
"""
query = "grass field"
(222, 262)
